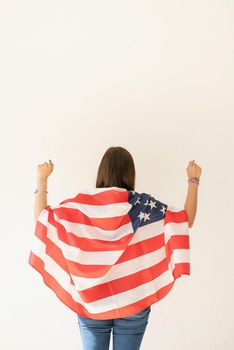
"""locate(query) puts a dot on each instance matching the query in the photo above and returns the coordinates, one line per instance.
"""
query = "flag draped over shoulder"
(109, 252)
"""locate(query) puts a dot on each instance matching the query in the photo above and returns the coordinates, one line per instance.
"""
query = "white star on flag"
(146, 216)
(138, 201)
(152, 204)
(141, 215)
(163, 209)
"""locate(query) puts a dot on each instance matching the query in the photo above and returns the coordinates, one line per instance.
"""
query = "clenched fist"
(45, 169)
(193, 169)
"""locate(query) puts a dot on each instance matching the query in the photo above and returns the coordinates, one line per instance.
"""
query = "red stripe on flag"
(177, 217)
(76, 216)
(90, 244)
(102, 198)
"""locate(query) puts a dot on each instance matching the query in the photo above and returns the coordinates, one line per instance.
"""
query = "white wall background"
(156, 77)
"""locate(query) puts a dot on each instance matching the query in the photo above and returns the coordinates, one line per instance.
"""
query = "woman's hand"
(193, 169)
(44, 170)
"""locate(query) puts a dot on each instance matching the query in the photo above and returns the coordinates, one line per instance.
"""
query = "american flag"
(110, 252)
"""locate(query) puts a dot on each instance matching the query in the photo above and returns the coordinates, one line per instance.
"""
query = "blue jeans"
(127, 331)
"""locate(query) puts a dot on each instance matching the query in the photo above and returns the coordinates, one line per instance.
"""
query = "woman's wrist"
(192, 186)
(41, 184)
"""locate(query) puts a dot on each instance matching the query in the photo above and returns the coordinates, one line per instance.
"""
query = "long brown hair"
(116, 169)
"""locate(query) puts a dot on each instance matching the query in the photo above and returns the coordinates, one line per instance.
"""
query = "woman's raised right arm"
(193, 170)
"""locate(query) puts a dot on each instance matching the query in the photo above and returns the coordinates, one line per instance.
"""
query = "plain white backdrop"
(155, 77)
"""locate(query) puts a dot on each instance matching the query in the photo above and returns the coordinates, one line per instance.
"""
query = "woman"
(117, 173)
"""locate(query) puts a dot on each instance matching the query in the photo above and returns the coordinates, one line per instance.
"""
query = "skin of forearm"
(191, 202)
(40, 198)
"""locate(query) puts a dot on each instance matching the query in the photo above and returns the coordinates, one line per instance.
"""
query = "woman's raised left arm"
(43, 172)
